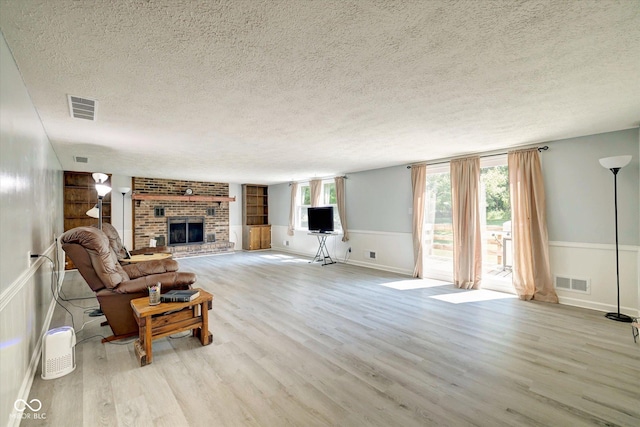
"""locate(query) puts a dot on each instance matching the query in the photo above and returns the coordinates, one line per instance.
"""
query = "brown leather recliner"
(116, 285)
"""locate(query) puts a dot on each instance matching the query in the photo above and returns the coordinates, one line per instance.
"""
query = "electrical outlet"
(285, 242)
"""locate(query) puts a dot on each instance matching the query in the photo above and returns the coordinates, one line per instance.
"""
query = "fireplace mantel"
(180, 198)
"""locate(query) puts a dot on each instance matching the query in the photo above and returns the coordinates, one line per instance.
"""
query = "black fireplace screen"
(185, 230)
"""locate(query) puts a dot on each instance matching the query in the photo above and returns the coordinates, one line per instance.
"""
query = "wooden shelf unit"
(80, 195)
(255, 217)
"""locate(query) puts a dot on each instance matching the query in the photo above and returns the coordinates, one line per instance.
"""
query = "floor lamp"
(96, 212)
(102, 189)
(123, 191)
(614, 164)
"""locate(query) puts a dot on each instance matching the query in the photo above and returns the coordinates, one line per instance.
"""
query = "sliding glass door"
(496, 224)
(438, 227)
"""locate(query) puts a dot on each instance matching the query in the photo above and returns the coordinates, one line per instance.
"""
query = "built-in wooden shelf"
(171, 198)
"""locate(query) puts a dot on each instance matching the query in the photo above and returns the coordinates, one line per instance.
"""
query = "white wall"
(579, 210)
(235, 216)
(31, 214)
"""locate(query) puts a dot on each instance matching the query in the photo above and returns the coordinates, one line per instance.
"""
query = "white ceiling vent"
(82, 108)
(80, 159)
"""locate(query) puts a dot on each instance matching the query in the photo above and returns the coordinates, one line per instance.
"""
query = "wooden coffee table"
(168, 318)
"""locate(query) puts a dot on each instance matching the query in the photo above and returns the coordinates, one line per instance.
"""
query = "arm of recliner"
(168, 281)
(147, 268)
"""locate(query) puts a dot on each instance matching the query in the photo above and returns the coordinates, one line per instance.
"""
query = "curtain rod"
(540, 149)
(322, 179)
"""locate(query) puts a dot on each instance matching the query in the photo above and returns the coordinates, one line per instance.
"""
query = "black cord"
(54, 285)
(55, 279)
(108, 342)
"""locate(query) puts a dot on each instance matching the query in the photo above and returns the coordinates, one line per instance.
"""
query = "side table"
(168, 318)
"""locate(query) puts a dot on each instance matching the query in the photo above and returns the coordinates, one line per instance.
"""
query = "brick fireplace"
(199, 220)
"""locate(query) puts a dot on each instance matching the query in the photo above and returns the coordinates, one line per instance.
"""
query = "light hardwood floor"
(299, 344)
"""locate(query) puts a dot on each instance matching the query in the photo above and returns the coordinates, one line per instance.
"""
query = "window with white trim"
(327, 198)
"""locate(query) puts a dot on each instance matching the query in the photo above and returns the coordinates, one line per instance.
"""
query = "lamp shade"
(616, 162)
(100, 178)
(93, 212)
(102, 190)
(124, 190)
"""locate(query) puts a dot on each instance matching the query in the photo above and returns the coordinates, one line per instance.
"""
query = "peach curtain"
(531, 269)
(316, 187)
(419, 187)
(340, 198)
(292, 209)
(467, 240)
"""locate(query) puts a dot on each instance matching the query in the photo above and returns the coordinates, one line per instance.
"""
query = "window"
(327, 198)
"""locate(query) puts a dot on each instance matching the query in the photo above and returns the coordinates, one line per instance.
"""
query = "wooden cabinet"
(80, 195)
(256, 237)
(256, 232)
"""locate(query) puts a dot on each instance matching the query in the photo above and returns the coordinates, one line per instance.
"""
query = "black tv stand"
(323, 253)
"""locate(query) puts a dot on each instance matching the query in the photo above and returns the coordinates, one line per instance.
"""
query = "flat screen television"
(321, 219)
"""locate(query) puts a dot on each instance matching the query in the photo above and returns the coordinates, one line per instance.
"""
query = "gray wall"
(30, 213)
(580, 191)
(279, 202)
(377, 200)
(380, 200)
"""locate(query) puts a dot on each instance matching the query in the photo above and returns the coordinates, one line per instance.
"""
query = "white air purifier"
(58, 352)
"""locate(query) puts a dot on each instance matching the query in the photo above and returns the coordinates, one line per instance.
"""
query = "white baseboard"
(592, 305)
(342, 261)
(380, 267)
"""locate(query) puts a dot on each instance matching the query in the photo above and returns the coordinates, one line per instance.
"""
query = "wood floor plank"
(298, 344)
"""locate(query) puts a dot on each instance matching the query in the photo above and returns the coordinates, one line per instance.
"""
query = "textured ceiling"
(272, 91)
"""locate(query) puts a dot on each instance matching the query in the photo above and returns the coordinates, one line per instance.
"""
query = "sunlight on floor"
(284, 258)
(406, 285)
(473, 296)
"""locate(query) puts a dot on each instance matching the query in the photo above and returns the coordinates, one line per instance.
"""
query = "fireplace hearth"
(185, 230)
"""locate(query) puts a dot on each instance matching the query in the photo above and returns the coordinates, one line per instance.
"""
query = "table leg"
(205, 336)
(148, 339)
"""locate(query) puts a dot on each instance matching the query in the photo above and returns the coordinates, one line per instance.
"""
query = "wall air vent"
(82, 108)
(80, 159)
(572, 284)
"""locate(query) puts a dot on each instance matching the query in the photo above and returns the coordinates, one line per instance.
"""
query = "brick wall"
(149, 226)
